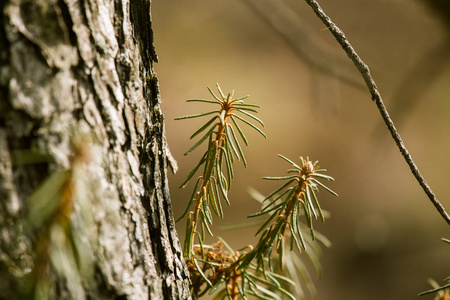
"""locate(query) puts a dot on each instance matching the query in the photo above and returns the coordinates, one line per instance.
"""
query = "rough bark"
(87, 65)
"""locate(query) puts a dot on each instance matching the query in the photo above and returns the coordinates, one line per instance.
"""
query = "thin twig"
(309, 47)
(365, 72)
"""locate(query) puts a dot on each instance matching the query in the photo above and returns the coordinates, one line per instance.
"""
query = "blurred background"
(385, 233)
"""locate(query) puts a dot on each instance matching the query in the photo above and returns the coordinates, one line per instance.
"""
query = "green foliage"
(223, 148)
(62, 241)
(251, 270)
(295, 197)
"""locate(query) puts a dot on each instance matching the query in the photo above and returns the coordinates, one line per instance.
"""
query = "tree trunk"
(87, 65)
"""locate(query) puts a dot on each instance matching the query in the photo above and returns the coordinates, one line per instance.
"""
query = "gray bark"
(87, 65)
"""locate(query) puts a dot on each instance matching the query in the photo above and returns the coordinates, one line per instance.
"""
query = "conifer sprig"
(61, 226)
(249, 271)
(222, 150)
(293, 199)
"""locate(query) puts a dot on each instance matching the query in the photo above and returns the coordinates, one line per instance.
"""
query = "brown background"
(385, 232)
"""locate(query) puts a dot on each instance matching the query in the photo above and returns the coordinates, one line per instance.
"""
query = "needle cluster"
(223, 148)
(251, 270)
(62, 239)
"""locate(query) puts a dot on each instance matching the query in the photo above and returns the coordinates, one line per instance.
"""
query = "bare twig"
(365, 72)
(308, 46)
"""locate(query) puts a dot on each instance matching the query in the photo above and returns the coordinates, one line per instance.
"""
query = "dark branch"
(365, 72)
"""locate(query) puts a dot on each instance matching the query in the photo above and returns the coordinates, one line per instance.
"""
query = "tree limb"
(376, 97)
